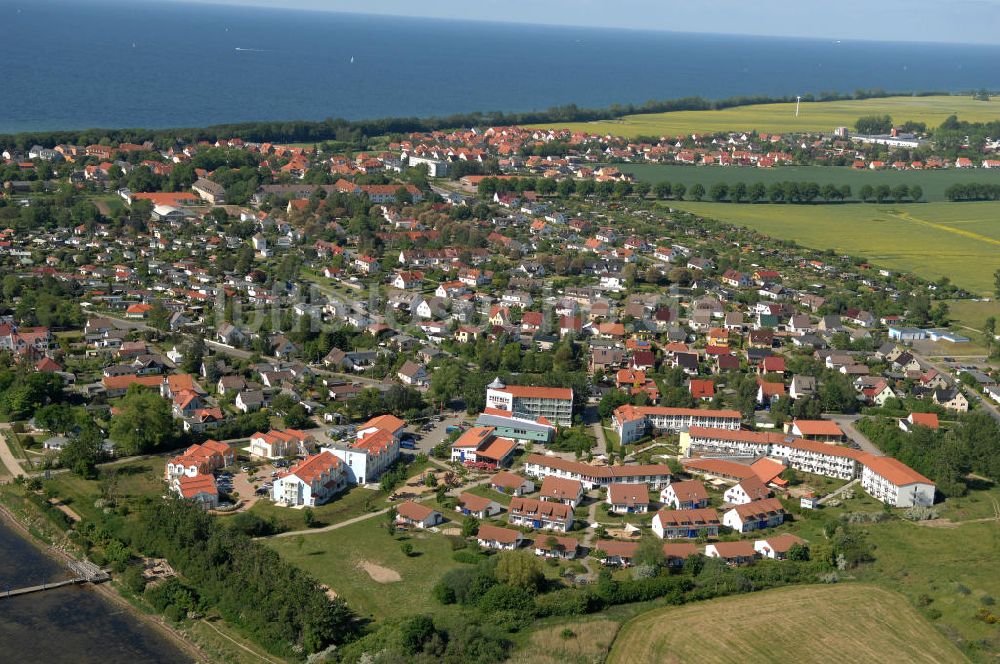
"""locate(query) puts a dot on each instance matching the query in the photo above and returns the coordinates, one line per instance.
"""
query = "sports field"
(834, 623)
(780, 118)
(933, 183)
(958, 240)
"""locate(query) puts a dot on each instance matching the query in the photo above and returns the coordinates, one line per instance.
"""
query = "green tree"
(520, 569)
(662, 190)
(679, 190)
(143, 423)
(867, 192)
(757, 192)
(83, 451)
(719, 192)
(739, 192)
(900, 192)
(697, 192)
(916, 192)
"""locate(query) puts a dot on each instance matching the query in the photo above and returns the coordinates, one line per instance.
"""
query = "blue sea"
(70, 64)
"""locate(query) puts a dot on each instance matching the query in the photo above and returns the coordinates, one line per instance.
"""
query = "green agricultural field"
(958, 240)
(837, 623)
(780, 118)
(933, 183)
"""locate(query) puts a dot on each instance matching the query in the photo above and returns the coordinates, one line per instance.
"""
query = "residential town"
(437, 336)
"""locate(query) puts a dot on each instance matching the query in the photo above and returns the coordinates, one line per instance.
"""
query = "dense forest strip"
(330, 129)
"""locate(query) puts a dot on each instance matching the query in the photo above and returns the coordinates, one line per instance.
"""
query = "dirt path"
(240, 645)
(588, 541)
(9, 465)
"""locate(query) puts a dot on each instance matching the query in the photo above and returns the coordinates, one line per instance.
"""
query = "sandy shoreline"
(108, 591)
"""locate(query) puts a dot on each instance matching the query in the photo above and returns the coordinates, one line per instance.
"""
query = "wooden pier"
(86, 572)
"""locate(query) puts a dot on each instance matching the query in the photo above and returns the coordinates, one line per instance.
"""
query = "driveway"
(846, 423)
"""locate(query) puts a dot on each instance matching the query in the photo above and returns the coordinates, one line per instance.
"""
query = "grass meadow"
(780, 118)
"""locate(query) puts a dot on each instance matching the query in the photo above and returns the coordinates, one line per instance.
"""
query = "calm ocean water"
(72, 625)
(109, 63)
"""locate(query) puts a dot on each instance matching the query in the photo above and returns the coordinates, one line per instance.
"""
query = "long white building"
(634, 422)
(884, 478)
(541, 466)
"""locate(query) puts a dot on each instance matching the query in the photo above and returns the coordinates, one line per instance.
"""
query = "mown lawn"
(780, 118)
(960, 241)
(337, 558)
(348, 505)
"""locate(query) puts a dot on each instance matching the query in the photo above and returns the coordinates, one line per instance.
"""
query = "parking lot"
(249, 484)
(430, 433)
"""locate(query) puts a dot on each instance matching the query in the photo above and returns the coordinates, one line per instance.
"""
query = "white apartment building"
(634, 422)
(895, 483)
(555, 404)
(310, 482)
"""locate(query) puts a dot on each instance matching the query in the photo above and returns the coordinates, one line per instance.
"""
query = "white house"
(777, 547)
(562, 490)
(310, 482)
(628, 498)
(472, 505)
(671, 524)
(686, 495)
(495, 537)
(278, 443)
(755, 515)
(418, 515)
(747, 491)
(541, 515)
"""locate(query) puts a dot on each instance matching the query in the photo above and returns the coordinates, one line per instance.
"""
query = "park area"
(833, 623)
(780, 118)
(960, 241)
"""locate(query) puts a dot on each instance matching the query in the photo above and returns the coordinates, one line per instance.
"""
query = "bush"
(467, 557)
(567, 634)
(565, 602)
(503, 597)
(987, 600)
(443, 593)
(133, 580)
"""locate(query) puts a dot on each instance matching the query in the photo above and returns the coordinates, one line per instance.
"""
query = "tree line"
(277, 605)
(354, 132)
(973, 191)
(737, 192)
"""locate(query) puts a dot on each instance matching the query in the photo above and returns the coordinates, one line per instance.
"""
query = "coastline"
(106, 590)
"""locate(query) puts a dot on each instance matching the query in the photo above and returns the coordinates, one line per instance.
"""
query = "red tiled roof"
(560, 488)
(705, 516)
(492, 533)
